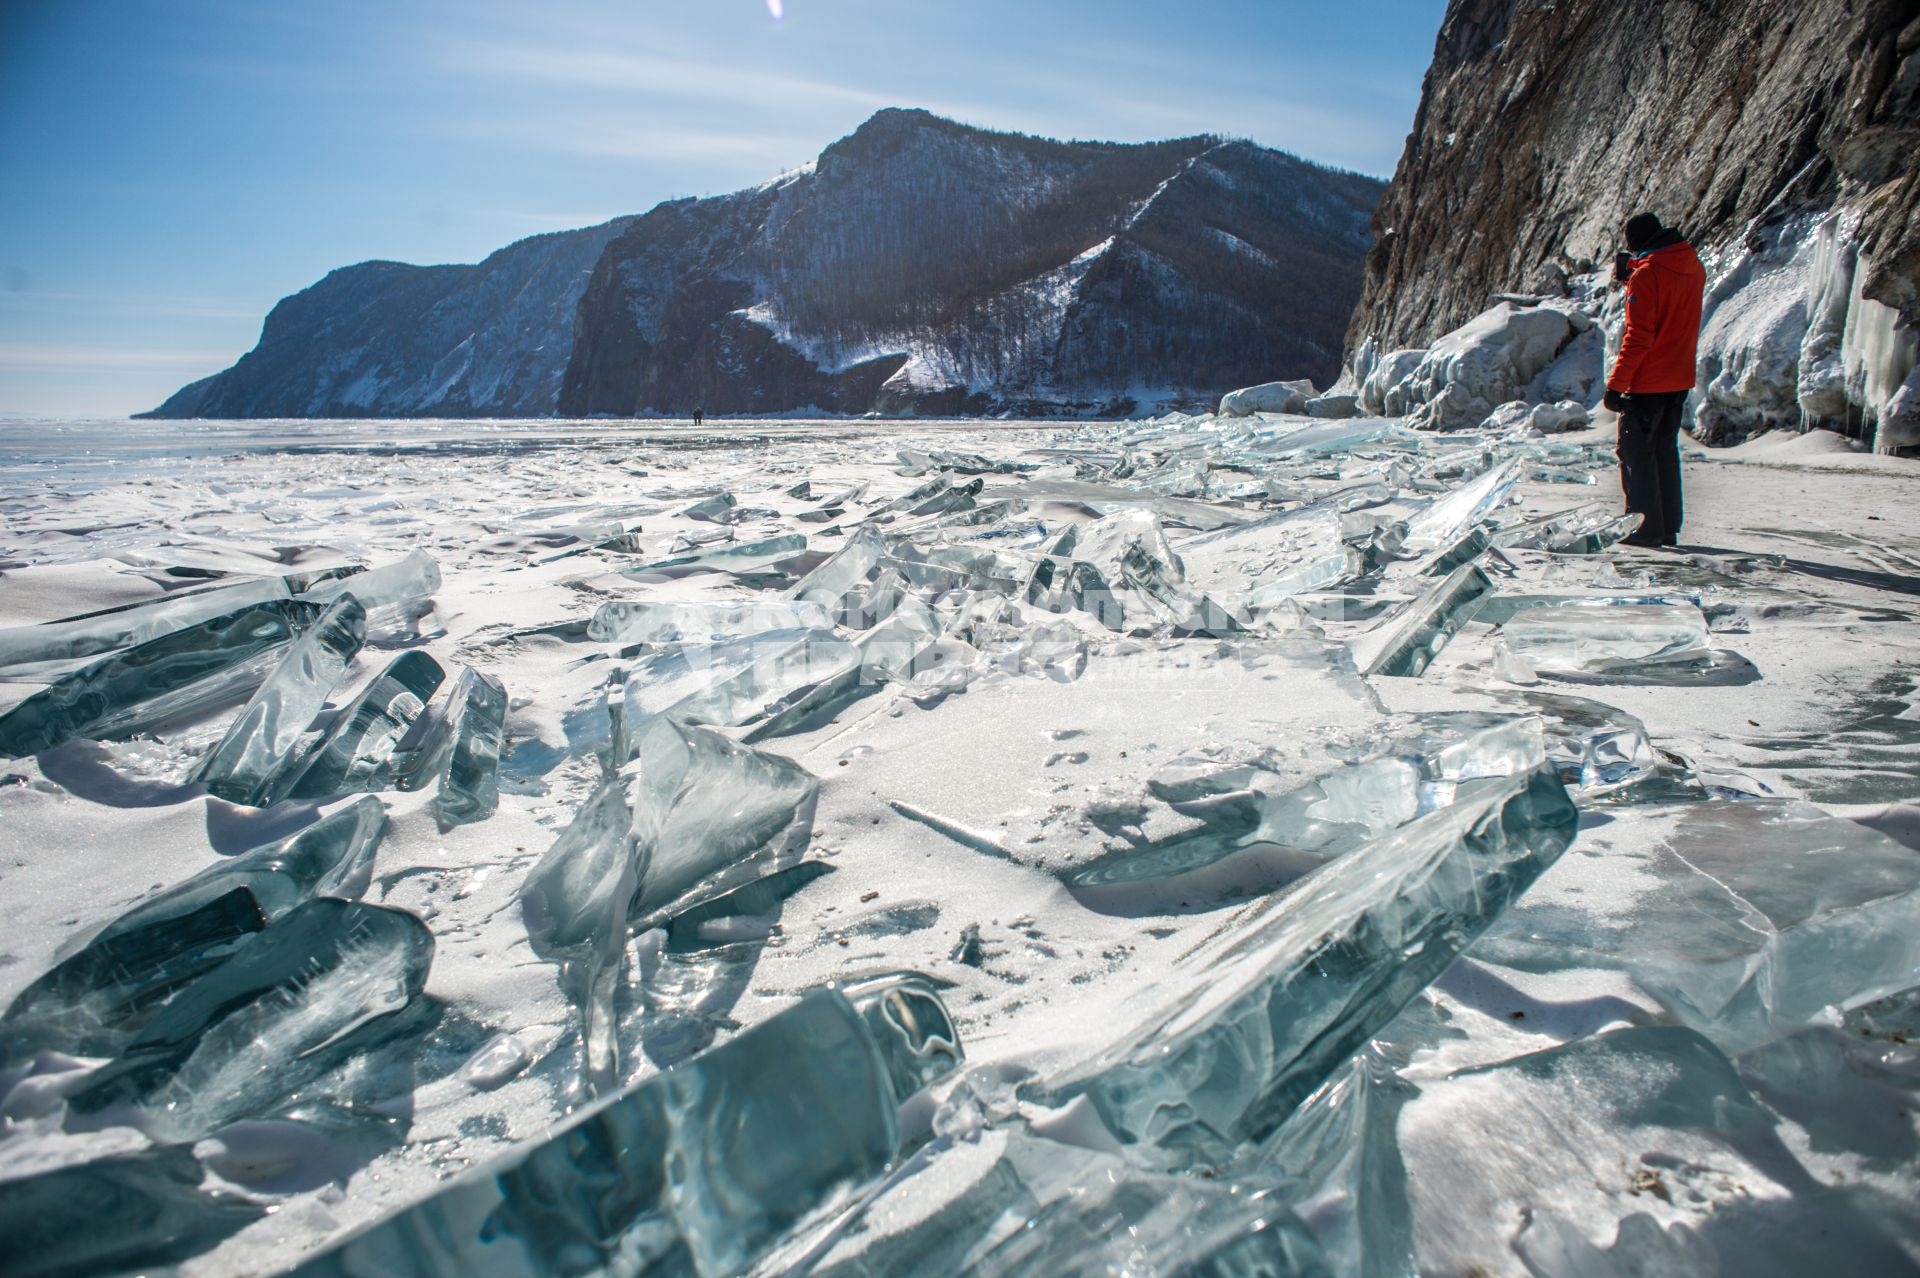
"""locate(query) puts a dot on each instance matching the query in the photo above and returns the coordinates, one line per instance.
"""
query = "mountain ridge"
(918, 265)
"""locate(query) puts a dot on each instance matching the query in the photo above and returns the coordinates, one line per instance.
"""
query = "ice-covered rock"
(1384, 392)
(1333, 406)
(1269, 397)
(1551, 419)
(1487, 361)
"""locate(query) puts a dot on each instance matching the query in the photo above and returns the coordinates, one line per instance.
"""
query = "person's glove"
(1614, 401)
(1622, 265)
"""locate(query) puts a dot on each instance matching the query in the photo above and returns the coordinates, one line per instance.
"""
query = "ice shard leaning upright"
(697, 1170)
(265, 734)
(1296, 984)
(356, 753)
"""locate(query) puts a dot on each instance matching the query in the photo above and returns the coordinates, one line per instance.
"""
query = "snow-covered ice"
(1254, 843)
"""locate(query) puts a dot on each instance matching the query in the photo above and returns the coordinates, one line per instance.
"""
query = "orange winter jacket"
(1663, 322)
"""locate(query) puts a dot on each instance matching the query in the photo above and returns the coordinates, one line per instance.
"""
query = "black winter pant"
(1650, 463)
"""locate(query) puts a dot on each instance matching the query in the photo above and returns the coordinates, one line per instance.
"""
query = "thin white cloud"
(32, 357)
(649, 75)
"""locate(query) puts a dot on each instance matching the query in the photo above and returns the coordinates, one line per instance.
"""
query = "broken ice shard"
(852, 564)
(715, 509)
(54, 645)
(894, 649)
(1317, 574)
(1407, 642)
(623, 621)
(126, 1213)
(1749, 920)
(476, 723)
(699, 1169)
(260, 741)
(1129, 1222)
(714, 814)
(93, 1002)
(1294, 985)
(1446, 518)
(356, 752)
(389, 587)
(737, 681)
(1336, 1161)
(737, 557)
(1584, 640)
(575, 902)
(333, 857)
(175, 675)
(323, 982)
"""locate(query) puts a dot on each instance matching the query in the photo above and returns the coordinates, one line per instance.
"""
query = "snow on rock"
(1334, 406)
(1551, 419)
(1268, 397)
(1382, 390)
(1487, 361)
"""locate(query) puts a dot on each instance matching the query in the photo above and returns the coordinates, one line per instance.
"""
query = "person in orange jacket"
(1654, 371)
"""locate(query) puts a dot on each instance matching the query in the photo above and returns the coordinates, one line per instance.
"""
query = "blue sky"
(171, 168)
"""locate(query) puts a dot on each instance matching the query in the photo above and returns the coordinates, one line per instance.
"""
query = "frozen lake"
(1193, 765)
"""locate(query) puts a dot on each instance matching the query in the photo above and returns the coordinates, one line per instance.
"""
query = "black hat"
(1641, 228)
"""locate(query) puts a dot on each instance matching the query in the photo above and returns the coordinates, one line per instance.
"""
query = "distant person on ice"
(698, 417)
(1654, 371)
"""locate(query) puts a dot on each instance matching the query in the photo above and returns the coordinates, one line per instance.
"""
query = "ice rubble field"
(1263, 845)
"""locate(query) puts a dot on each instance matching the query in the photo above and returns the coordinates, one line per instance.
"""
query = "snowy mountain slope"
(924, 265)
(917, 266)
(408, 341)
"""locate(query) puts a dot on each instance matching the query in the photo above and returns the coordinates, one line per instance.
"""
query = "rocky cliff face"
(918, 266)
(1780, 135)
(384, 339)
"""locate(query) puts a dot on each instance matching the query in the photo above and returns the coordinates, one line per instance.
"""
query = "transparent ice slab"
(1602, 640)
(1318, 574)
(93, 1002)
(718, 508)
(643, 621)
(1446, 518)
(176, 675)
(1336, 1162)
(895, 649)
(1119, 1223)
(261, 740)
(1294, 986)
(716, 814)
(1406, 643)
(395, 595)
(1296, 827)
(390, 586)
(325, 981)
(356, 753)
(740, 556)
(469, 784)
(737, 681)
(575, 902)
(697, 1170)
(333, 857)
(122, 1214)
(1747, 919)
(54, 645)
(844, 570)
